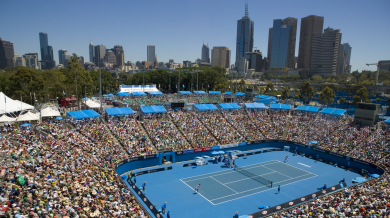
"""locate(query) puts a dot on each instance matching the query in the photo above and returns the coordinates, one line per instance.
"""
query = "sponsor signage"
(135, 159)
(228, 145)
(214, 148)
(149, 204)
(277, 208)
(188, 151)
(189, 164)
(242, 144)
(151, 171)
(202, 149)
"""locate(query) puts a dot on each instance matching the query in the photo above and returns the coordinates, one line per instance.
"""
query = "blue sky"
(178, 27)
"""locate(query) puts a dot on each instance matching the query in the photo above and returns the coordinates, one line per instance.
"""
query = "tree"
(361, 96)
(342, 100)
(306, 92)
(269, 88)
(316, 78)
(24, 81)
(285, 93)
(327, 95)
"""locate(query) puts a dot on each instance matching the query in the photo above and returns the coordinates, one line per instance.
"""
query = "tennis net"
(253, 176)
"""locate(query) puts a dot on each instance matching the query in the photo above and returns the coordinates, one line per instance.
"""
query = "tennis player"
(196, 190)
(286, 159)
(278, 189)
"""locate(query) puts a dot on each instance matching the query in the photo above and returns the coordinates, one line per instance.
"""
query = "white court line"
(249, 178)
(278, 172)
(224, 185)
(230, 169)
(198, 193)
(304, 164)
(261, 191)
(298, 168)
(217, 173)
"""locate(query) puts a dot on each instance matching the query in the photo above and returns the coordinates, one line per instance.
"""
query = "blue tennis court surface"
(224, 191)
(228, 185)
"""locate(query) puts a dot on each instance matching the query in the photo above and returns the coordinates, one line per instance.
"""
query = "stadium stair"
(286, 129)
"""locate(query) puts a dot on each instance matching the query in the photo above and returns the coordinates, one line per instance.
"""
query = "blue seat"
(319, 188)
(261, 207)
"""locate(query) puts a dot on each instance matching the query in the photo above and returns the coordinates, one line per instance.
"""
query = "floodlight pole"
(100, 93)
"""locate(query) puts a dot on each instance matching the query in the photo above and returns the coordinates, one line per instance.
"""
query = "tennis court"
(228, 185)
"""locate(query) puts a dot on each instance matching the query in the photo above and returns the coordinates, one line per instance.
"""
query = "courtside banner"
(228, 146)
(135, 159)
(242, 144)
(280, 207)
(202, 149)
(214, 148)
(144, 199)
(188, 151)
(151, 171)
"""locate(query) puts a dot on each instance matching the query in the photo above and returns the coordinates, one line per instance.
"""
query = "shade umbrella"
(105, 95)
(313, 142)
(25, 124)
(59, 118)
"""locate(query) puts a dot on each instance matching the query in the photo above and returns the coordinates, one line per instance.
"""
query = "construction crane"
(377, 72)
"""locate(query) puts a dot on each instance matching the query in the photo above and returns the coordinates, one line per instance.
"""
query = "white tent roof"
(28, 116)
(92, 104)
(6, 118)
(8, 105)
(50, 112)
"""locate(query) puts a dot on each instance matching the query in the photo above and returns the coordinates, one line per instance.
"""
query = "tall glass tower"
(280, 44)
(44, 42)
(244, 42)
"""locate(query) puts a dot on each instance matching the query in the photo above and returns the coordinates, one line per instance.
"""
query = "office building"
(155, 65)
(19, 61)
(151, 53)
(6, 54)
(325, 53)
(100, 53)
(340, 60)
(81, 61)
(243, 65)
(47, 57)
(119, 56)
(292, 38)
(31, 60)
(256, 61)
(65, 58)
(91, 52)
(205, 53)
(220, 56)
(110, 57)
(244, 40)
(60, 52)
(310, 26)
(279, 45)
(347, 57)
(187, 63)
(384, 65)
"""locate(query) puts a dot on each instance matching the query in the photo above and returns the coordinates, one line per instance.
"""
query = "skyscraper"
(220, 56)
(347, 56)
(110, 57)
(31, 60)
(47, 57)
(60, 52)
(65, 58)
(280, 45)
(244, 41)
(292, 38)
(310, 26)
(100, 52)
(119, 55)
(91, 52)
(151, 53)
(6, 54)
(81, 61)
(205, 53)
(325, 48)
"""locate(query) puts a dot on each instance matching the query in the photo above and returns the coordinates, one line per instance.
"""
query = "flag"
(63, 92)
(34, 96)
(159, 85)
(21, 98)
(269, 89)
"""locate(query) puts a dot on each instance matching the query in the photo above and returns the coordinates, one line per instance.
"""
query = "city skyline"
(182, 43)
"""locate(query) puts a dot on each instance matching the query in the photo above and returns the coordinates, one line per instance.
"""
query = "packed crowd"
(163, 133)
(63, 173)
(165, 99)
(197, 135)
(221, 129)
(130, 135)
(66, 169)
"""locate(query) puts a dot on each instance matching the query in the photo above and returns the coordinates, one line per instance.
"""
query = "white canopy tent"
(92, 104)
(28, 116)
(5, 118)
(8, 105)
(50, 112)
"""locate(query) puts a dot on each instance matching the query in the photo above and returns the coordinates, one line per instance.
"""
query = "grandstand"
(84, 151)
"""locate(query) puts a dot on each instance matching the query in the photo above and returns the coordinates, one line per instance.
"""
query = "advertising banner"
(152, 171)
(242, 144)
(188, 151)
(228, 145)
(134, 159)
(202, 149)
(214, 148)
